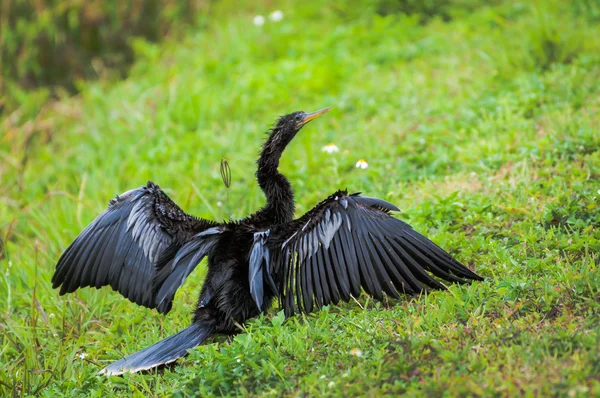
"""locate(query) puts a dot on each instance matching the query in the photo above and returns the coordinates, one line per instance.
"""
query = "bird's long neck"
(277, 188)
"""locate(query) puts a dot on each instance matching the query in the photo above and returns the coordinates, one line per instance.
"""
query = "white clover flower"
(356, 352)
(259, 20)
(82, 355)
(362, 164)
(330, 148)
(276, 16)
(52, 316)
(331, 384)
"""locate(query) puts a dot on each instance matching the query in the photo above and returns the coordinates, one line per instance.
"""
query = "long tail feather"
(163, 352)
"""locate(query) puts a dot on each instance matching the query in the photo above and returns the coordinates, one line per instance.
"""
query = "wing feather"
(350, 258)
(331, 282)
(414, 266)
(129, 245)
(396, 281)
(368, 279)
(340, 268)
(307, 287)
(349, 242)
(316, 274)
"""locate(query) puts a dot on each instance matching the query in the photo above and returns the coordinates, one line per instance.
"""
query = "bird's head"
(288, 125)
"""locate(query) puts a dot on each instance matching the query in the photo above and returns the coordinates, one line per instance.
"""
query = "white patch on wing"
(288, 240)
(329, 227)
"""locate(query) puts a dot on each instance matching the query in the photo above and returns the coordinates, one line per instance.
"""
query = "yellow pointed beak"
(311, 116)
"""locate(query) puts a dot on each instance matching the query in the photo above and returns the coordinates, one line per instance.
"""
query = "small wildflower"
(55, 334)
(259, 20)
(276, 16)
(362, 164)
(598, 194)
(239, 360)
(356, 352)
(219, 204)
(82, 355)
(331, 384)
(330, 148)
(52, 316)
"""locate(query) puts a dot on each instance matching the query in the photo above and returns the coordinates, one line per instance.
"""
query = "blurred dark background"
(54, 43)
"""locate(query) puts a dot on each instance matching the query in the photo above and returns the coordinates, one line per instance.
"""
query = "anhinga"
(144, 246)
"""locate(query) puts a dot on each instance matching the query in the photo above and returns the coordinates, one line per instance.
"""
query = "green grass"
(483, 128)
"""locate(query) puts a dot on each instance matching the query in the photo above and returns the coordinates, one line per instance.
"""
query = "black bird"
(144, 246)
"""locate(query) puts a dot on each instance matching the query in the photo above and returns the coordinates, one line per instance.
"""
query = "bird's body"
(225, 293)
(144, 246)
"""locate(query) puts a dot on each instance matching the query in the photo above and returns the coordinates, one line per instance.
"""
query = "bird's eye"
(298, 117)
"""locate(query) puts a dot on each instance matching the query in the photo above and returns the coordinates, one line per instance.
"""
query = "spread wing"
(346, 243)
(143, 246)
